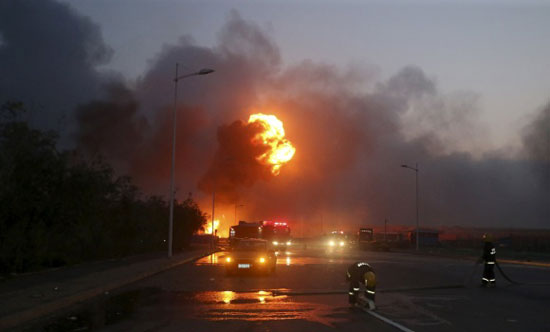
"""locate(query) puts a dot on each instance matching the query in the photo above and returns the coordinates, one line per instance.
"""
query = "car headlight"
(342, 243)
(262, 260)
(288, 243)
(228, 259)
(275, 243)
(331, 243)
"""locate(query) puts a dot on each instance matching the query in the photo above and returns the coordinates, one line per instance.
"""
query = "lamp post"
(237, 206)
(416, 170)
(203, 71)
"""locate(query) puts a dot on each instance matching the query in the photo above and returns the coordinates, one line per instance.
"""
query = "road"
(308, 293)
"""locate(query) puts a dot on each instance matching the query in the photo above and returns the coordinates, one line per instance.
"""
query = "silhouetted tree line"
(58, 208)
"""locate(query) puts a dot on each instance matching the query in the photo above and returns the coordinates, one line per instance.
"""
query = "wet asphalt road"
(417, 292)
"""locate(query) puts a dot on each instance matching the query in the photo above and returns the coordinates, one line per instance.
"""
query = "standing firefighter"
(489, 256)
(361, 273)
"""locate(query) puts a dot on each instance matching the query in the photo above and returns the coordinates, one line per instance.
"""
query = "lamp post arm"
(204, 71)
(184, 76)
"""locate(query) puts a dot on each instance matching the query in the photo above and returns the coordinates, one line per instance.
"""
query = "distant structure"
(426, 237)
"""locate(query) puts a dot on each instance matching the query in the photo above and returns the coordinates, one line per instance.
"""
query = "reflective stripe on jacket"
(489, 252)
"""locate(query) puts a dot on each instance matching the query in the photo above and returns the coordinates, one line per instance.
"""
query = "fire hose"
(505, 276)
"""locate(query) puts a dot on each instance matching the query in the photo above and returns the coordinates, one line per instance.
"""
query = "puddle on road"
(259, 306)
(210, 305)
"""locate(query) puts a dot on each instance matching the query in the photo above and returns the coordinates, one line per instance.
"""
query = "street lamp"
(203, 71)
(237, 206)
(416, 170)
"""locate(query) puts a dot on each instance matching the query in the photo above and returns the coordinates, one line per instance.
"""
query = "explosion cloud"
(280, 149)
(246, 153)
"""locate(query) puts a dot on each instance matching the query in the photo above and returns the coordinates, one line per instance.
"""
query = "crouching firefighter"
(361, 273)
(489, 256)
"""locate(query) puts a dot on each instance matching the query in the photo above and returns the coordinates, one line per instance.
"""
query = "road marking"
(387, 320)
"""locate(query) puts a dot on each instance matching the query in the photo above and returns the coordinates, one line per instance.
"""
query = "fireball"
(280, 149)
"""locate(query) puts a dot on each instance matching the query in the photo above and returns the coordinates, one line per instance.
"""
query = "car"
(337, 240)
(252, 256)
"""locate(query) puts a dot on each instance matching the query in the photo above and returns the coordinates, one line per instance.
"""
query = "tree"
(58, 207)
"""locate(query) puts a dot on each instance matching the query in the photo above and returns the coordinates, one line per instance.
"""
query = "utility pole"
(417, 224)
(385, 230)
(212, 227)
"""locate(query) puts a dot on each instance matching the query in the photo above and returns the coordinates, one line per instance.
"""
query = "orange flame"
(208, 227)
(281, 150)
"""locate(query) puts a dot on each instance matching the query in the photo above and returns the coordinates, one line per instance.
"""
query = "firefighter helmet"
(487, 237)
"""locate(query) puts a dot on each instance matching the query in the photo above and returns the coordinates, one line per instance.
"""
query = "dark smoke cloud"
(48, 59)
(350, 140)
(536, 143)
(112, 127)
(536, 136)
(234, 164)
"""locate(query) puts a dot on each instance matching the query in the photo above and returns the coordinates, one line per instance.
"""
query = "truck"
(366, 237)
(244, 230)
(337, 240)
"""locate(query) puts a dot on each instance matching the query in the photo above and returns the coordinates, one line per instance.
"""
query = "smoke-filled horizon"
(351, 134)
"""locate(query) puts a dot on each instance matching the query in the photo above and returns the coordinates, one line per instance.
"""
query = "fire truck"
(277, 233)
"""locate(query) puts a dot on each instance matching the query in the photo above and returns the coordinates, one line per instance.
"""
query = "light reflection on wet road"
(258, 306)
(231, 297)
(283, 258)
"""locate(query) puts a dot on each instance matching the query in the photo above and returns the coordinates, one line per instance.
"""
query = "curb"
(13, 320)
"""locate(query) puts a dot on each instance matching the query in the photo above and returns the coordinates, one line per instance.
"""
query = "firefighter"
(489, 256)
(361, 273)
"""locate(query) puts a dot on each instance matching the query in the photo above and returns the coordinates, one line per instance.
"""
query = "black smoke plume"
(235, 164)
(351, 133)
(48, 59)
